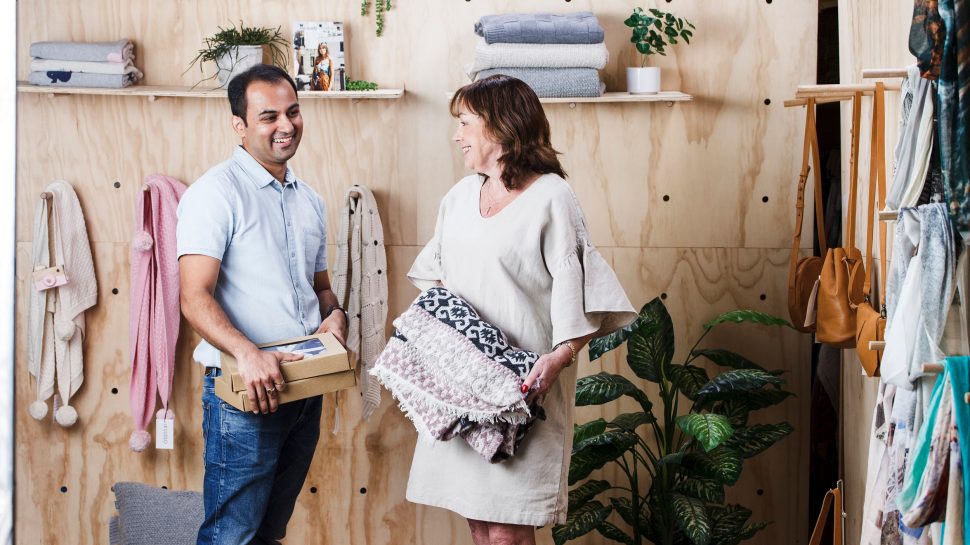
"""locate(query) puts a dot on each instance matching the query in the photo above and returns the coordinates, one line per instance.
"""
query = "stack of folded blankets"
(557, 55)
(78, 64)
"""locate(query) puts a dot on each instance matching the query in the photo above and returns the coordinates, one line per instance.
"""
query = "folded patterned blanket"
(555, 82)
(55, 78)
(454, 374)
(503, 55)
(119, 51)
(51, 65)
(541, 28)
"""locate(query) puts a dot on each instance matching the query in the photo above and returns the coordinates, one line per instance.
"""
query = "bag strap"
(832, 502)
(877, 174)
(809, 148)
(850, 227)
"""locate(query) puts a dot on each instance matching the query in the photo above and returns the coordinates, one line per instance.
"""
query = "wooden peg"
(932, 368)
(884, 73)
(877, 345)
(47, 195)
(888, 215)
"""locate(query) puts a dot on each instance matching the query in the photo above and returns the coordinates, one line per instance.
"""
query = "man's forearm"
(328, 301)
(208, 319)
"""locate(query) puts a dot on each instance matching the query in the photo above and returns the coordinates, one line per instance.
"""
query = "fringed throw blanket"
(454, 374)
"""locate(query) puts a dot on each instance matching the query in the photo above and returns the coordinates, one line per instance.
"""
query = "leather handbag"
(833, 503)
(803, 272)
(843, 272)
(871, 314)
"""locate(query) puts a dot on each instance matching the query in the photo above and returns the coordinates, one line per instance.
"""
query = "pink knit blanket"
(153, 325)
(455, 375)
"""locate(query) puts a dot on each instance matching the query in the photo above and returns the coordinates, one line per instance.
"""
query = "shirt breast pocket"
(314, 248)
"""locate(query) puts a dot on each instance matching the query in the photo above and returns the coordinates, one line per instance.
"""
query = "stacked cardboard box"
(325, 368)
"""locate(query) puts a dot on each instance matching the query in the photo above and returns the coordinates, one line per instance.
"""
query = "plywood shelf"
(621, 96)
(168, 91)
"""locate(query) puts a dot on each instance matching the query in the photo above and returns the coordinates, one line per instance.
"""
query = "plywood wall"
(871, 35)
(693, 201)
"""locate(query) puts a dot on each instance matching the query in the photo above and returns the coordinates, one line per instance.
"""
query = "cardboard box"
(296, 390)
(323, 355)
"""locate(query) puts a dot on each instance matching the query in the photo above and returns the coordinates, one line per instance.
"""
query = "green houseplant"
(380, 8)
(235, 49)
(652, 32)
(692, 456)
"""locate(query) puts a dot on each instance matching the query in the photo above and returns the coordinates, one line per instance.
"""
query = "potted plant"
(690, 458)
(235, 50)
(652, 33)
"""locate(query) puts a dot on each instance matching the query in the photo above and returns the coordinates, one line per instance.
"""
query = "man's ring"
(270, 391)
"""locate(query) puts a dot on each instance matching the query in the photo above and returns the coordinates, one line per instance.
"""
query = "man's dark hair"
(260, 72)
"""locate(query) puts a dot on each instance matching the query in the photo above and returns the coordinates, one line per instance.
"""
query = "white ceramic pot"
(643, 80)
(238, 60)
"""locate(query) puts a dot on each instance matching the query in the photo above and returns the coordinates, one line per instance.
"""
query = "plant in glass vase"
(690, 457)
(652, 31)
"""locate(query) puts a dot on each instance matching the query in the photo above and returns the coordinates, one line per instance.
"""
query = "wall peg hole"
(363, 490)
(313, 490)
(761, 491)
(114, 291)
(763, 296)
(63, 489)
(764, 199)
(114, 390)
(663, 295)
(666, 198)
(117, 185)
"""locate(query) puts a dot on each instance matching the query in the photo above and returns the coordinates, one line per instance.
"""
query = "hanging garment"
(454, 374)
(877, 467)
(55, 324)
(923, 497)
(926, 36)
(920, 289)
(360, 284)
(153, 324)
(912, 152)
(958, 368)
(954, 115)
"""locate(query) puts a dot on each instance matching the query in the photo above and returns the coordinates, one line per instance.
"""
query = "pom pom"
(139, 440)
(64, 329)
(142, 241)
(38, 410)
(66, 416)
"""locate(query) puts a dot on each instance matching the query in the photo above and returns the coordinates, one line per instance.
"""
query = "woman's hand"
(545, 372)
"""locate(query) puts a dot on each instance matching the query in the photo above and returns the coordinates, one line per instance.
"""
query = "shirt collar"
(258, 175)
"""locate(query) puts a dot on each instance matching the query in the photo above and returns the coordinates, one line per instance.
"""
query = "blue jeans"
(255, 466)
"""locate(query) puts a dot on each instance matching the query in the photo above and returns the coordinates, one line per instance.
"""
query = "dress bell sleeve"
(426, 271)
(587, 297)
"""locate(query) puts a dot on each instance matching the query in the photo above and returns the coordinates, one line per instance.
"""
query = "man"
(252, 245)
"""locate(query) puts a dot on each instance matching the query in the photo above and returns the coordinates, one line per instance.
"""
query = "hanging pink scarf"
(153, 326)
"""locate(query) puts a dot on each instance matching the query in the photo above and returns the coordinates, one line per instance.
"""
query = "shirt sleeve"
(587, 297)
(205, 220)
(426, 271)
(321, 263)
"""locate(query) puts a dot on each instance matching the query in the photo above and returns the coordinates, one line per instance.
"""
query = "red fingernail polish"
(524, 388)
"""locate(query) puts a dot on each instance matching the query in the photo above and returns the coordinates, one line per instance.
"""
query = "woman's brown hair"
(513, 117)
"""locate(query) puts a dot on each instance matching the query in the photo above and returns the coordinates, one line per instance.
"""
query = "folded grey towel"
(119, 51)
(555, 82)
(541, 28)
(54, 78)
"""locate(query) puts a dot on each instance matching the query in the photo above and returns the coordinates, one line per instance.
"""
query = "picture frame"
(319, 56)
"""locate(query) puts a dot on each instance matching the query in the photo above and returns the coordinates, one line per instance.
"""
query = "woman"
(511, 240)
(322, 69)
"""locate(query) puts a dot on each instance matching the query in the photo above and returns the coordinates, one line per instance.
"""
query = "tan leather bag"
(843, 272)
(871, 319)
(803, 272)
(833, 503)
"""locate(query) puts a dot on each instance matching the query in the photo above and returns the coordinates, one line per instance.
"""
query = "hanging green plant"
(380, 7)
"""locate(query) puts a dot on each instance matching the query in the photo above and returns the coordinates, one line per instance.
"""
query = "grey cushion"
(155, 516)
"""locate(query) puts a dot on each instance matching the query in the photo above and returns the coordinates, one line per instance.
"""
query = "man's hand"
(335, 323)
(261, 374)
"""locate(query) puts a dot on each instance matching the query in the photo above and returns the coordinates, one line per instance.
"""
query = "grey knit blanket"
(57, 78)
(117, 51)
(555, 82)
(541, 28)
(455, 375)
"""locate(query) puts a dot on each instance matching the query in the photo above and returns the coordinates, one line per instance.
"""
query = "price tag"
(165, 432)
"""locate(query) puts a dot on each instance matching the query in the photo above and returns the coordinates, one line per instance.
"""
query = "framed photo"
(319, 56)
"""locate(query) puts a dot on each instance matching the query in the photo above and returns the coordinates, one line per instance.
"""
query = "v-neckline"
(478, 198)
